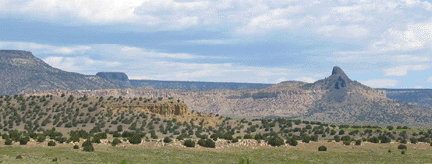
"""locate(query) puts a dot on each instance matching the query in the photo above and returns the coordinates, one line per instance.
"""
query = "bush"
(23, 141)
(41, 138)
(402, 147)
(292, 142)
(347, 142)
(19, 157)
(115, 142)
(51, 143)
(96, 140)
(189, 143)
(76, 147)
(207, 143)
(88, 148)
(274, 141)
(235, 140)
(54, 159)
(167, 140)
(135, 139)
(358, 142)
(8, 142)
(322, 148)
(180, 137)
(403, 152)
(337, 138)
(413, 140)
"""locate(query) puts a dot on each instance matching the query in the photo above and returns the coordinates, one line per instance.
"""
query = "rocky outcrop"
(118, 78)
(20, 71)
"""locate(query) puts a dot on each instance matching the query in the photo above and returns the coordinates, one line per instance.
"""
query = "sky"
(380, 43)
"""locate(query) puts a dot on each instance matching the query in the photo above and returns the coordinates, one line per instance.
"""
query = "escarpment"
(164, 109)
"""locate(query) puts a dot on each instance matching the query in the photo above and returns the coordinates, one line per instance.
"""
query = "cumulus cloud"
(306, 79)
(349, 18)
(380, 83)
(44, 48)
(141, 63)
(429, 79)
(403, 70)
(78, 64)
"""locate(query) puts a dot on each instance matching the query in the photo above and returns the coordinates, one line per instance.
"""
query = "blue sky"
(379, 43)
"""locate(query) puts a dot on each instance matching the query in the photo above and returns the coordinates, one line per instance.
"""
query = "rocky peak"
(337, 71)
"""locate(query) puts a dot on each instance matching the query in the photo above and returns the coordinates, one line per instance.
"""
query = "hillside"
(333, 99)
(21, 71)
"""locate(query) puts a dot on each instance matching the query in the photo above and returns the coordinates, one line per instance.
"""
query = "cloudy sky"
(381, 43)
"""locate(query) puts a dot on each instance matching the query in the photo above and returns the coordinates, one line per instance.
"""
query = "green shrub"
(115, 142)
(413, 140)
(207, 143)
(322, 148)
(19, 157)
(274, 141)
(23, 141)
(292, 142)
(167, 140)
(54, 159)
(8, 142)
(337, 138)
(88, 148)
(235, 140)
(189, 143)
(347, 142)
(403, 152)
(358, 142)
(135, 139)
(41, 138)
(180, 137)
(76, 147)
(51, 143)
(402, 147)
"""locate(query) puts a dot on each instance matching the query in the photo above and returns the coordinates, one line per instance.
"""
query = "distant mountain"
(195, 85)
(20, 71)
(333, 99)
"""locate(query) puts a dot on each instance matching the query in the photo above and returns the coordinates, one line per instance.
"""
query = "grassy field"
(302, 153)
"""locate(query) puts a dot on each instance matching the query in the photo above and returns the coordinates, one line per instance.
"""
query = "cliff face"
(118, 78)
(164, 109)
(21, 71)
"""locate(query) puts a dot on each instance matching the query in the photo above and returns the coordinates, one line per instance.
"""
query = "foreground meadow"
(157, 152)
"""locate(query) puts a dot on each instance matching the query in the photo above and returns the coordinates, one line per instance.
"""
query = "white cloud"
(380, 83)
(141, 63)
(134, 52)
(429, 79)
(403, 70)
(306, 79)
(352, 18)
(44, 48)
(78, 64)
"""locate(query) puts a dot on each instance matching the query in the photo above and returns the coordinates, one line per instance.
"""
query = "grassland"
(148, 153)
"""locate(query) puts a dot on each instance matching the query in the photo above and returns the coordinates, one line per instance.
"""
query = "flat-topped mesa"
(118, 78)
